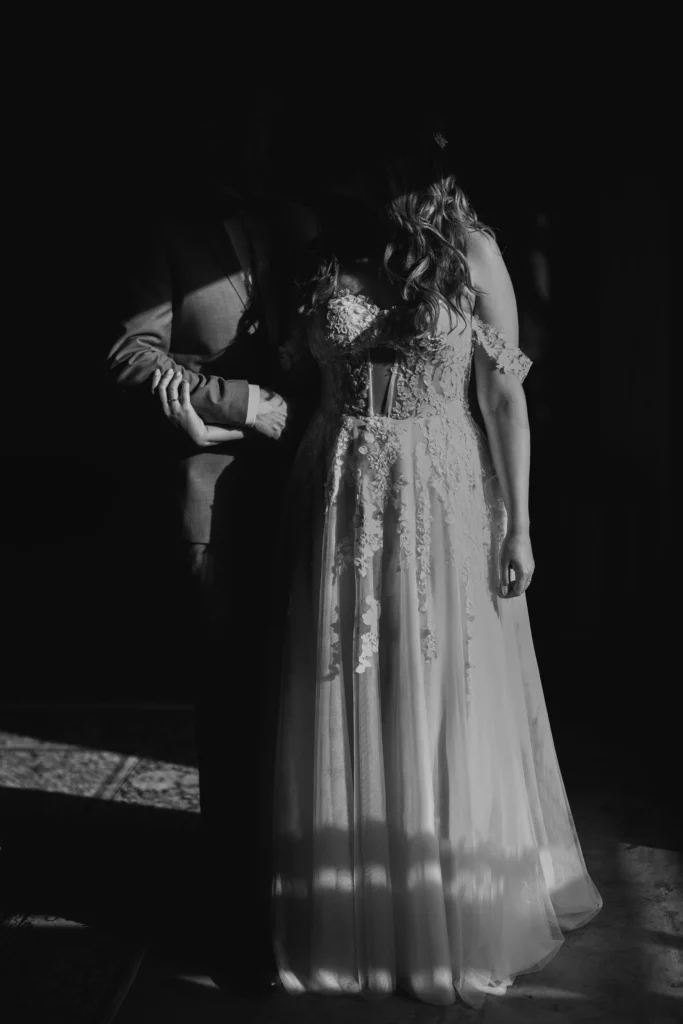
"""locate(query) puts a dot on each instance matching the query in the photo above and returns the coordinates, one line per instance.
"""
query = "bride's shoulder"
(483, 256)
(481, 246)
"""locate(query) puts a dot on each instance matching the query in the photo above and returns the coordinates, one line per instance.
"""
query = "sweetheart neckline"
(344, 293)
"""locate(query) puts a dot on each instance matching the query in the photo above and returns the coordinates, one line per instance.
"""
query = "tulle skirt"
(423, 838)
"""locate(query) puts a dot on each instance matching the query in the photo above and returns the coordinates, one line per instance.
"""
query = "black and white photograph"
(338, 551)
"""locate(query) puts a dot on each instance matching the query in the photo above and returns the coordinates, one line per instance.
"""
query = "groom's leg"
(233, 743)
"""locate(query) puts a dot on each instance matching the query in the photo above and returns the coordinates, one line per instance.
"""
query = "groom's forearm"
(144, 342)
(216, 400)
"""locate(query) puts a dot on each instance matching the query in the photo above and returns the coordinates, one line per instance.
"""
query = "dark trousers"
(235, 682)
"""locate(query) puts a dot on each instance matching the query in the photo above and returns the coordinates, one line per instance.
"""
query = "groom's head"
(239, 141)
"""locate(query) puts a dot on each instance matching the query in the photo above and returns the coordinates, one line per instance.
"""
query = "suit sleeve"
(143, 343)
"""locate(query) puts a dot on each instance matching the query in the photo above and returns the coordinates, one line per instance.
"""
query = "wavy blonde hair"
(419, 233)
(426, 256)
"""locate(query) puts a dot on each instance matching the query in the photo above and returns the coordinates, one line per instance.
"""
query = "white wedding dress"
(423, 837)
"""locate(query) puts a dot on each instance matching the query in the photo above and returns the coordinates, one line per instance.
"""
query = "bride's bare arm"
(174, 394)
(500, 367)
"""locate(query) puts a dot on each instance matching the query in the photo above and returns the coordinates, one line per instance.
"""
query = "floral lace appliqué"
(508, 358)
(428, 641)
(369, 639)
(390, 479)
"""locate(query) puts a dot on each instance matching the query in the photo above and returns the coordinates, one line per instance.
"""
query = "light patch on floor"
(624, 967)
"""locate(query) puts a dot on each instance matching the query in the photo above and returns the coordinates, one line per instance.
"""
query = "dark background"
(89, 612)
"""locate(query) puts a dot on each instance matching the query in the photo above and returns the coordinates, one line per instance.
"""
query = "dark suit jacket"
(183, 311)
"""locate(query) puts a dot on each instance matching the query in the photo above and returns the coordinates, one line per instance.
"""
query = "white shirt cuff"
(253, 404)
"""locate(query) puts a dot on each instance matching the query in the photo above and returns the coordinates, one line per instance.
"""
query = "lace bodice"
(395, 416)
(370, 367)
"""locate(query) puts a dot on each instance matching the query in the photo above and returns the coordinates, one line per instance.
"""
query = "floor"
(100, 813)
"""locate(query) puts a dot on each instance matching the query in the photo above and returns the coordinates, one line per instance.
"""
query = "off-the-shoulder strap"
(508, 358)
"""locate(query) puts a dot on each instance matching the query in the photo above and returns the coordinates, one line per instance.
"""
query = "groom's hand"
(271, 417)
(174, 395)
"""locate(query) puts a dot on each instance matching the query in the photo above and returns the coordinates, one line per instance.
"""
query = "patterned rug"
(53, 781)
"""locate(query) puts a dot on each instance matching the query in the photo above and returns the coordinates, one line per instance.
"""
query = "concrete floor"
(122, 790)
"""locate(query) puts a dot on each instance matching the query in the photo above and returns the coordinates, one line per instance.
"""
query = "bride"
(423, 838)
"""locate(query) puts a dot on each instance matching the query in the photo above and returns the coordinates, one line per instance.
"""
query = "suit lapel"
(251, 242)
(224, 251)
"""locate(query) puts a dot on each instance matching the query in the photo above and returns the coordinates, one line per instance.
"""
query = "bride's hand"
(174, 393)
(516, 558)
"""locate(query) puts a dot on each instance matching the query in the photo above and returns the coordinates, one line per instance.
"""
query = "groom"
(203, 299)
